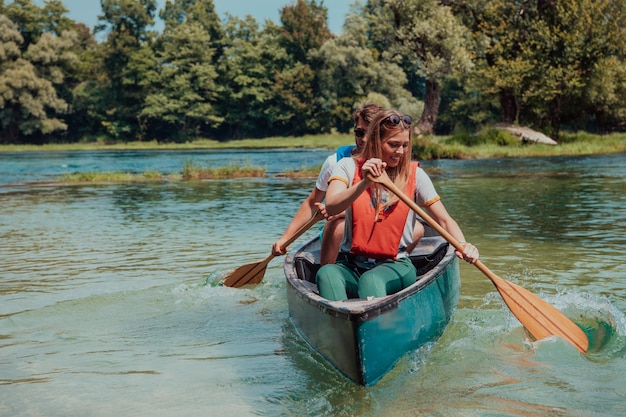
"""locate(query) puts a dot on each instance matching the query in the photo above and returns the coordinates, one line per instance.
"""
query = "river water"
(108, 302)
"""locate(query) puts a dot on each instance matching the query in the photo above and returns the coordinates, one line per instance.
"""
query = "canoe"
(364, 339)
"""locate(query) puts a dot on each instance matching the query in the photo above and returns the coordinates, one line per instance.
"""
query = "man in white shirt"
(333, 229)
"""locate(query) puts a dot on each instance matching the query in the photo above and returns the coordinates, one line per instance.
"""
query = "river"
(108, 301)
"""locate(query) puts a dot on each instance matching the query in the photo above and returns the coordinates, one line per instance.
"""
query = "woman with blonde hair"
(379, 229)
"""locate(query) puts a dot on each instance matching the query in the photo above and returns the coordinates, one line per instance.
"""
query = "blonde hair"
(383, 127)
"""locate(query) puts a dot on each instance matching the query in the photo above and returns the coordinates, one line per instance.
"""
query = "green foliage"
(535, 58)
(606, 92)
(29, 102)
(194, 171)
(454, 66)
(486, 137)
(433, 147)
(303, 172)
(247, 70)
(93, 176)
(350, 68)
(295, 107)
(180, 84)
(122, 92)
(127, 21)
(464, 108)
(427, 39)
(305, 28)
(425, 148)
(28, 18)
(202, 12)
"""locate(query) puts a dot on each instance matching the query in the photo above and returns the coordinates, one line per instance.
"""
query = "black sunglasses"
(359, 132)
(396, 119)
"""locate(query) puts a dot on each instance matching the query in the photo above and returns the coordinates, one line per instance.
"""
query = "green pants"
(344, 279)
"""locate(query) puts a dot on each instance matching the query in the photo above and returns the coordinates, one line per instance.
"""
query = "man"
(333, 229)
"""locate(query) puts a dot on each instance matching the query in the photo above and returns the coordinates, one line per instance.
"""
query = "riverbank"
(330, 141)
(487, 144)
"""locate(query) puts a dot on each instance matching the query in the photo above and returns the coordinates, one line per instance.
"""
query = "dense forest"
(453, 65)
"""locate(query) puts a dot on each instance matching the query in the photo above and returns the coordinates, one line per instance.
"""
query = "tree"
(537, 56)
(121, 96)
(295, 105)
(54, 19)
(29, 102)
(28, 18)
(573, 36)
(181, 85)
(200, 11)
(247, 68)
(180, 81)
(606, 93)
(351, 75)
(427, 39)
(304, 29)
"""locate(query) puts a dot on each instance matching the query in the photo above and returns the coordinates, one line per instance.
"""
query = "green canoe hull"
(363, 339)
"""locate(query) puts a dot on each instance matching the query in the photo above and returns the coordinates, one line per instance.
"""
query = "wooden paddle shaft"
(317, 216)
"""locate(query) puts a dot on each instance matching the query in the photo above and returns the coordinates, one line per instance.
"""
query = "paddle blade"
(539, 318)
(251, 273)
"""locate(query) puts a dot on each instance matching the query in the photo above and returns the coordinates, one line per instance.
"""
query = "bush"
(486, 137)
(191, 171)
(426, 149)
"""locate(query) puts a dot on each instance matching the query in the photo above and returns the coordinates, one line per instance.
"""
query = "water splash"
(601, 320)
(214, 279)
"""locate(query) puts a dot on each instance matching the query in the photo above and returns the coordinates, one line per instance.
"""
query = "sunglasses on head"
(359, 132)
(396, 119)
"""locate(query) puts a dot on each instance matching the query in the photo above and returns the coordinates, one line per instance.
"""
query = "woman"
(373, 259)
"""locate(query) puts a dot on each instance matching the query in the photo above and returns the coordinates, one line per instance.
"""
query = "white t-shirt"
(424, 195)
(327, 169)
(329, 165)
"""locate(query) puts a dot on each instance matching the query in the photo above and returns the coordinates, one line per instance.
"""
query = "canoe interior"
(425, 258)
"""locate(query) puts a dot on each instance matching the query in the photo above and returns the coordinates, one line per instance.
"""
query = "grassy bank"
(331, 141)
(498, 144)
(190, 171)
(486, 144)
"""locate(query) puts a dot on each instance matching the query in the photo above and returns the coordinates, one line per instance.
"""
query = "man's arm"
(303, 215)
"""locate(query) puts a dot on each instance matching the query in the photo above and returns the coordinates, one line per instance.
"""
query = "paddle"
(537, 316)
(253, 273)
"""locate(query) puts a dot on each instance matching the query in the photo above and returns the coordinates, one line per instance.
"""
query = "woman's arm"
(439, 213)
(340, 196)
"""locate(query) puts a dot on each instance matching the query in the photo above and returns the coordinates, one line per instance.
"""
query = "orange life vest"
(378, 237)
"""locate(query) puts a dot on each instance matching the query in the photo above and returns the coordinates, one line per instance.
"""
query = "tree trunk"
(11, 134)
(510, 112)
(426, 125)
(555, 116)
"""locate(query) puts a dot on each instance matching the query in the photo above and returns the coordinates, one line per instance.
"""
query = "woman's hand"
(470, 253)
(373, 166)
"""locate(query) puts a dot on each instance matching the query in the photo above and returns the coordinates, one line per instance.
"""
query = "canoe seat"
(425, 257)
(428, 254)
(307, 265)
